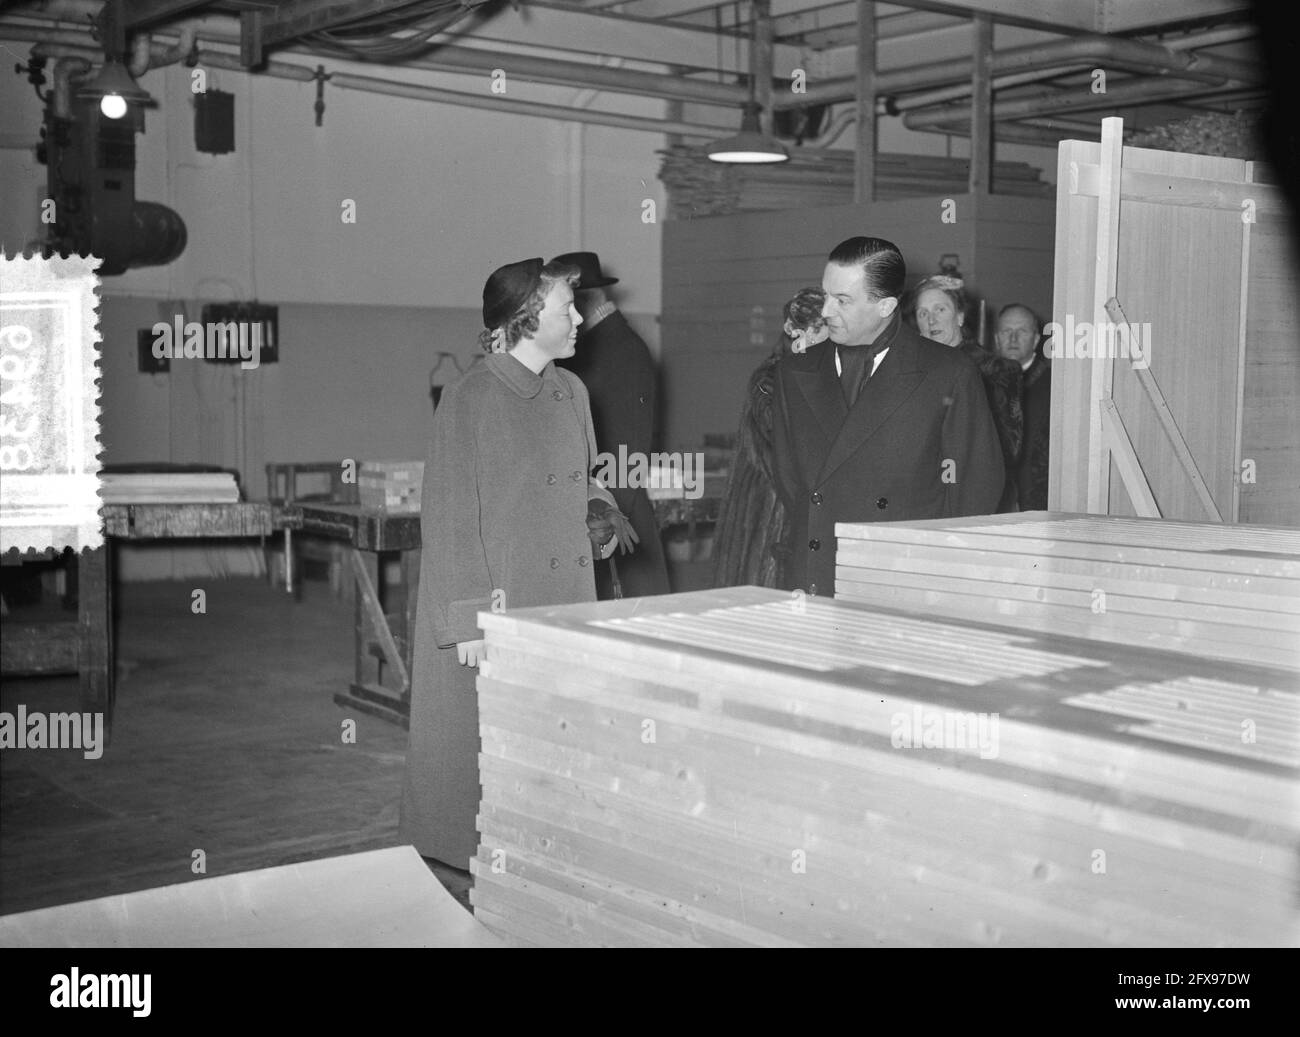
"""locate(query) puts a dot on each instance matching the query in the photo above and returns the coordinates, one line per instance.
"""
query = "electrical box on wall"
(214, 122)
(240, 328)
(148, 363)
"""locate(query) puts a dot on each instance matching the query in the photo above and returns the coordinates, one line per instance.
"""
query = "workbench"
(384, 619)
(86, 646)
(383, 628)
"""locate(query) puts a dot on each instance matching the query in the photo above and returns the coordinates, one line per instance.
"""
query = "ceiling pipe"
(452, 58)
(415, 91)
(1046, 59)
(1013, 133)
(1130, 55)
(1051, 102)
(65, 68)
(138, 63)
(926, 98)
(929, 98)
(1211, 38)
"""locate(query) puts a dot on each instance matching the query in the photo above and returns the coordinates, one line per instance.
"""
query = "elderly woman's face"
(937, 317)
(557, 323)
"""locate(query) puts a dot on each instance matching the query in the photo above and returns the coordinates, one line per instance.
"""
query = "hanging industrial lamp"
(751, 145)
(114, 88)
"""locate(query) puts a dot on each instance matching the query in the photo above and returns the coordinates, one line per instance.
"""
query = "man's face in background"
(1018, 335)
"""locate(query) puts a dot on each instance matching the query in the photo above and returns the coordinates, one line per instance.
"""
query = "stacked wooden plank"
(168, 488)
(744, 767)
(1225, 592)
(821, 177)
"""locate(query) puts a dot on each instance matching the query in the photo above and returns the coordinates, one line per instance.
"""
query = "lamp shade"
(750, 145)
(113, 80)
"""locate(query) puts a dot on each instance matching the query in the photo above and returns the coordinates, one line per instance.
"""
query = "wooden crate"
(1206, 427)
(1224, 592)
(730, 768)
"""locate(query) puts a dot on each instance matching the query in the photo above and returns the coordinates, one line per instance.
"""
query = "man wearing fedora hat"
(615, 365)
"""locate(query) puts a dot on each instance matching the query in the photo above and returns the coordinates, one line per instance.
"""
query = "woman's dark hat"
(508, 289)
(588, 264)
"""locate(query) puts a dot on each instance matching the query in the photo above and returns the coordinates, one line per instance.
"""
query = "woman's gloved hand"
(471, 653)
(605, 522)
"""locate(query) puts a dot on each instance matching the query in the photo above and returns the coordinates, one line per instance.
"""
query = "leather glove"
(605, 522)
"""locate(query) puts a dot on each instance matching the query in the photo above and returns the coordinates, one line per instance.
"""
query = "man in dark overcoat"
(876, 424)
(615, 365)
(1019, 338)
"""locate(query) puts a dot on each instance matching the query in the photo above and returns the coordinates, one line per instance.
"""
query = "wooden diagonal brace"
(1148, 382)
(370, 602)
(1125, 457)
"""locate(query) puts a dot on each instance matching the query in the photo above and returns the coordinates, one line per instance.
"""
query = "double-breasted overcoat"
(918, 443)
(503, 526)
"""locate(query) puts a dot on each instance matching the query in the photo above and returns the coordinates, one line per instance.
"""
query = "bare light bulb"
(113, 106)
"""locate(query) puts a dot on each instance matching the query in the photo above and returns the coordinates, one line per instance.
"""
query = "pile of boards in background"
(745, 767)
(392, 486)
(697, 186)
(1220, 591)
(168, 487)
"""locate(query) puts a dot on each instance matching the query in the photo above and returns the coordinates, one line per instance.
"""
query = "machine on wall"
(88, 147)
(91, 181)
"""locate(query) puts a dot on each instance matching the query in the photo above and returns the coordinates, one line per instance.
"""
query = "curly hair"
(525, 320)
(804, 310)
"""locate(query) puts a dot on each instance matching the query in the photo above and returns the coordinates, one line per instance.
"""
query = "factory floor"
(226, 739)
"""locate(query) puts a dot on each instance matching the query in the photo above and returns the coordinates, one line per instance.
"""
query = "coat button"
(882, 503)
(814, 544)
(555, 563)
(557, 395)
(576, 476)
(582, 560)
(816, 498)
(641, 398)
(550, 480)
(812, 588)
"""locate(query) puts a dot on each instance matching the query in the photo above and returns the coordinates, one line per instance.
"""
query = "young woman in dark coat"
(510, 518)
(749, 542)
(940, 311)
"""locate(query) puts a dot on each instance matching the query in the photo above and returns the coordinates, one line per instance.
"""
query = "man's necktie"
(855, 363)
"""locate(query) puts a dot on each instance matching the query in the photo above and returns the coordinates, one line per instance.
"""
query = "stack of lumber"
(698, 186)
(168, 488)
(1224, 592)
(392, 486)
(746, 767)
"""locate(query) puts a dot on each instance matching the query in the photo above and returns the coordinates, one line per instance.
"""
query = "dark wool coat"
(504, 511)
(885, 459)
(749, 544)
(1002, 387)
(615, 365)
(1036, 397)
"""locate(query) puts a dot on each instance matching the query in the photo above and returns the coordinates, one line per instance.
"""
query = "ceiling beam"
(140, 13)
(1154, 14)
(1061, 16)
(297, 18)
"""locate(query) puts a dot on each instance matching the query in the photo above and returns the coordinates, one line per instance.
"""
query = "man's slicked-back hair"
(881, 261)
